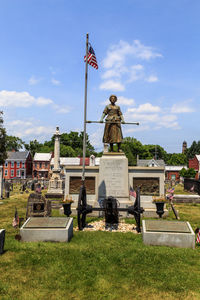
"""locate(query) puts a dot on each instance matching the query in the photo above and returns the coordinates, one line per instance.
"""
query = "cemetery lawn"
(96, 265)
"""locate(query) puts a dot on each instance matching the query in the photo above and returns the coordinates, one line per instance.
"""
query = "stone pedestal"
(47, 230)
(113, 178)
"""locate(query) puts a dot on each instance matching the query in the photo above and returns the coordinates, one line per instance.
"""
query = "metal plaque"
(167, 226)
(47, 222)
(76, 182)
(149, 186)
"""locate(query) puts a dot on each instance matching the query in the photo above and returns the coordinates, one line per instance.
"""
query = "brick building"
(172, 172)
(41, 165)
(17, 165)
(195, 164)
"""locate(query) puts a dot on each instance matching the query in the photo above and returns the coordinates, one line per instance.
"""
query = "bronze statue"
(113, 132)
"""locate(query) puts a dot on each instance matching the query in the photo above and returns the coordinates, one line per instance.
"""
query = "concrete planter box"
(168, 233)
(47, 229)
(2, 240)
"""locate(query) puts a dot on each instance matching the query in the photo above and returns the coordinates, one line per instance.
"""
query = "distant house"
(41, 165)
(76, 161)
(195, 164)
(18, 165)
(150, 162)
(172, 172)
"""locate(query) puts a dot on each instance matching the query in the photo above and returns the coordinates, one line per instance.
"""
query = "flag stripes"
(91, 58)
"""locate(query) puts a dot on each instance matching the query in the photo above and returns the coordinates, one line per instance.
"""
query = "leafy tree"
(33, 146)
(3, 154)
(188, 173)
(193, 149)
(13, 143)
(177, 159)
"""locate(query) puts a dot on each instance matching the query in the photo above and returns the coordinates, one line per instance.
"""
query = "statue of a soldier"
(113, 132)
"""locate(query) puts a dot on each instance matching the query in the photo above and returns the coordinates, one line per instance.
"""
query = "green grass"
(179, 189)
(96, 265)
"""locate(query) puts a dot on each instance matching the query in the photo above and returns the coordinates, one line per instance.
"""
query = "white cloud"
(62, 109)
(146, 107)
(33, 80)
(150, 116)
(21, 99)
(55, 82)
(119, 63)
(112, 85)
(136, 73)
(183, 107)
(117, 54)
(24, 99)
(28, 129)
(152, 78)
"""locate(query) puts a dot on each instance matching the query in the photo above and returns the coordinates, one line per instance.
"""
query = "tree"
(33, 146)
(194, 149)
(177, 159)
(189, 173)
(13, 143)
(3, 154)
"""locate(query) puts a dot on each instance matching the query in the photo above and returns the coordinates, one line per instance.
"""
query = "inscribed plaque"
(76, 182)
(167, 226)
(148, 186)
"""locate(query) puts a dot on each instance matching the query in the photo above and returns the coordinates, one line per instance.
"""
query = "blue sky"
(148, 55)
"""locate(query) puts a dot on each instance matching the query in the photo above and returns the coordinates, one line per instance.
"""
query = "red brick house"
(172, 172)
(195, 164)
(17, 165)
(41, 165)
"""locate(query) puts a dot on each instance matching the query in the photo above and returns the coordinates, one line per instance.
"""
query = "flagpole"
(85, 110)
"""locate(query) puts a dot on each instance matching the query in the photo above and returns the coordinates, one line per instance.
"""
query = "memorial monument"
(55, 182)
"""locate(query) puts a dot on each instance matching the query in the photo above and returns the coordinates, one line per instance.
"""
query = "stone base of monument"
(168, 233)
(48, 229)
(2, 240)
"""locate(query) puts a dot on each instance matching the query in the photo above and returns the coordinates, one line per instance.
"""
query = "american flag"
(91, 58)
(198, 237)
(15, 221)
(132, 192)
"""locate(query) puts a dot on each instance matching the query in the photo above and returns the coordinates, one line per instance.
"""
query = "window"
(35, 165)
(12, 173)
(6, 164)
(40, 165)
(18, 173)
(46, 165)
(23, 165)
(12, 164)
(173, 177)
(18, 164)
(6, 173)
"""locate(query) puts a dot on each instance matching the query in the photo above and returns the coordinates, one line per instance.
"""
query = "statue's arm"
(102, 117)
(122, 119)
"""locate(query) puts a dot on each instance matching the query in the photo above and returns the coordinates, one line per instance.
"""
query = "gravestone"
(38, 206)
(47, 230)
(168, 233)
(7, 189)
(2, 240)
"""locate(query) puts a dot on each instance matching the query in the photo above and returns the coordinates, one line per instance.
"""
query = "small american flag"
(132, 192)
(198, 236)
(91, 58)
(15, 221)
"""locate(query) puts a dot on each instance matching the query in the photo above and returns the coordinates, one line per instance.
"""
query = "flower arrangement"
(67, 199)
(159, 199)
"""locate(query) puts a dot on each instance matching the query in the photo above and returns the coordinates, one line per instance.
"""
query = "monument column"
(55, 183)
(56, 167)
